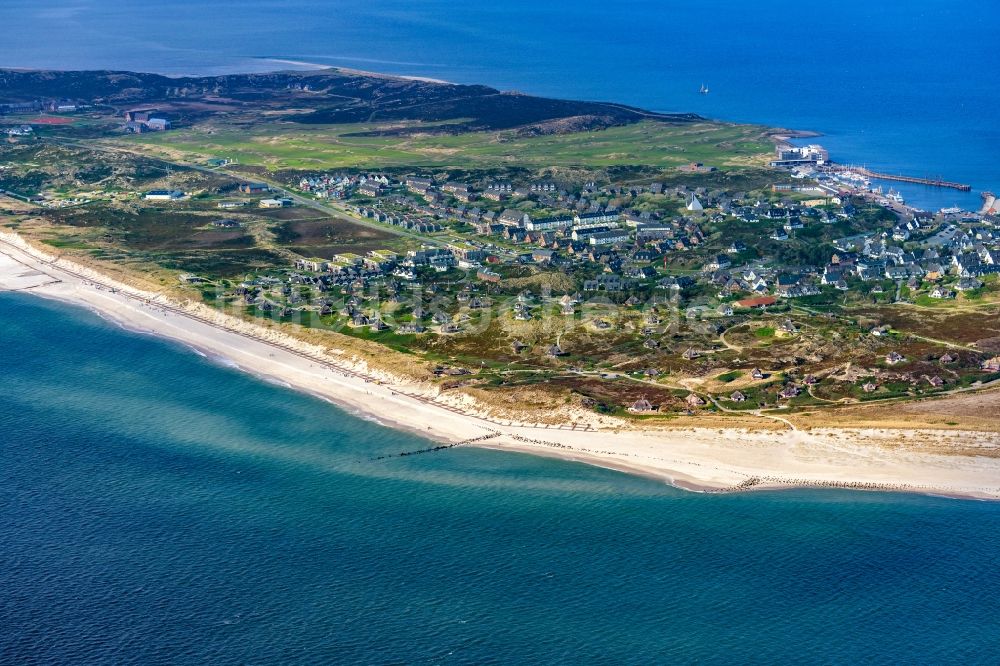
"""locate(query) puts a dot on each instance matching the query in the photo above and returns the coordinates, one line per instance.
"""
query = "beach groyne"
(694, 458)
(434, 449)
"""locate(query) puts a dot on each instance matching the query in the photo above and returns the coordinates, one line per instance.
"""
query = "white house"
(163, 195)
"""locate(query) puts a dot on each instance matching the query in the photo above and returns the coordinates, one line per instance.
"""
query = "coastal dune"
(704, 459)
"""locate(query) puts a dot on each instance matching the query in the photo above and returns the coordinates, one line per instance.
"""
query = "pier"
(932, 182)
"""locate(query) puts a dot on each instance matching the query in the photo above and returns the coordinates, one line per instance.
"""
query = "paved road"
(329, 209)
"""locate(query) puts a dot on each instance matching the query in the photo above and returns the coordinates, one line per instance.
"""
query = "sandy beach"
(704, 459)
(352, 70)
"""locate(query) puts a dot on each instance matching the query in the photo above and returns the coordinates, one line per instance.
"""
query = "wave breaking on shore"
(702, 459)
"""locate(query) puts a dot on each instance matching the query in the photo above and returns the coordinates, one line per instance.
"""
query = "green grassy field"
(329, 146)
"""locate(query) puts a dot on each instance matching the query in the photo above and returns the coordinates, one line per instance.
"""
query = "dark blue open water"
(899, 86)
(156, 507)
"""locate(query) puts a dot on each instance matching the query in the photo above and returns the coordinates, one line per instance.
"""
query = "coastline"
(278, 65)
(315, 66)
(697, 459)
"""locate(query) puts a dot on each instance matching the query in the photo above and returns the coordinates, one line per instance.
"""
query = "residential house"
(513, 218)
(789, 392)
(892, 358)
(694, 400)
(991, 365)
(604, 217)
(719, 262)
(547, 223)
(610, 237)
(643, 406)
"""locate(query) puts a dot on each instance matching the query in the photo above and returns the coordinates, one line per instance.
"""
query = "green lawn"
(727, 377)
(328, 146)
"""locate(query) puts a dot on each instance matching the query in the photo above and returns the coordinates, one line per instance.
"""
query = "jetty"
(932, 182)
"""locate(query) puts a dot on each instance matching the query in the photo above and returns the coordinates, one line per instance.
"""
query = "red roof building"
(759, 302)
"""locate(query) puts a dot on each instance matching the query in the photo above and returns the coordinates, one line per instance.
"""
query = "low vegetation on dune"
(533, 253)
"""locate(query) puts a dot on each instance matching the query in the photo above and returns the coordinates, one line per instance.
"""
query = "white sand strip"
(695, 458)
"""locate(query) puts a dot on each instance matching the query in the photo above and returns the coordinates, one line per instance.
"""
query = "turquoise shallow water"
(158, 507)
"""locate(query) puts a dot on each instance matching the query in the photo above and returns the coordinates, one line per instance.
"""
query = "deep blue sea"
(158, 507)
(899, 86)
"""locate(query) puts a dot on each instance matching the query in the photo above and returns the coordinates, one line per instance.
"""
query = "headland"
(698, 301)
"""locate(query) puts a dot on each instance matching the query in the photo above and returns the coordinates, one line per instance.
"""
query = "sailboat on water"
(704, 89)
